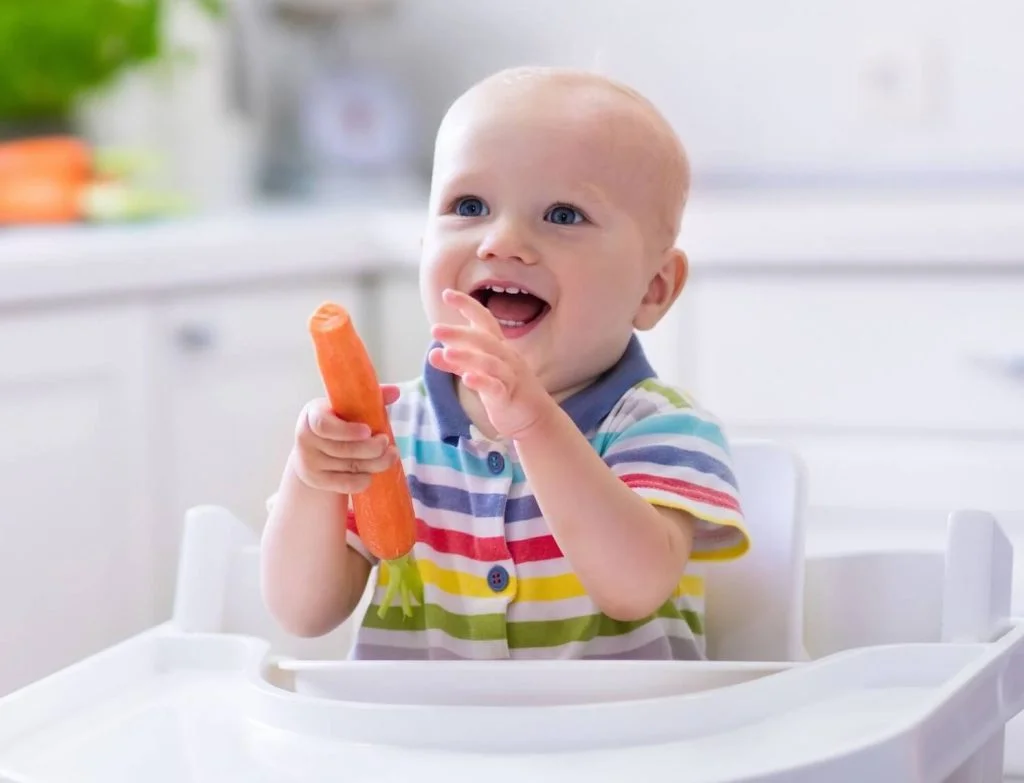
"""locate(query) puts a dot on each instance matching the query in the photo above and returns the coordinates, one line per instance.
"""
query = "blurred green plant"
(52, 52)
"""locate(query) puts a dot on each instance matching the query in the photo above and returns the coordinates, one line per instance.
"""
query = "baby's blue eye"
(470, 206)
(564, 216)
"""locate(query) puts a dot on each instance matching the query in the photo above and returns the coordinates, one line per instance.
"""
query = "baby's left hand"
(478, 353)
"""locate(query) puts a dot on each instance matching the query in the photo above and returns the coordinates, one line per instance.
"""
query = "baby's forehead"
(595, 121)
(586, 103)
(591, 120)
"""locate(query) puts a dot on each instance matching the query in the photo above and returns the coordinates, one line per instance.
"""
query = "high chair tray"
(173, 706)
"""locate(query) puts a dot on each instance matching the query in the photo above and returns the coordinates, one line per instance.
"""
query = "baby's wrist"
(543, 424)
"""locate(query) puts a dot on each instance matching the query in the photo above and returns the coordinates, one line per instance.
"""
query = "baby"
(561, 489)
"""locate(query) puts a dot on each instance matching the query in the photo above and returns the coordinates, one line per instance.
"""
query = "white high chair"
(214, 694)
(754, 605)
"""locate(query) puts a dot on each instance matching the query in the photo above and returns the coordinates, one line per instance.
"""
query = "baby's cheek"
(435, 276)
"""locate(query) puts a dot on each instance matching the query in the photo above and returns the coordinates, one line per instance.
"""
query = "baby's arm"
(628, 554)
(313, 571)
(311, 579)
(628, 534)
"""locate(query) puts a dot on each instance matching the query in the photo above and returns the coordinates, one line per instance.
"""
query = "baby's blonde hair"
(672, 165)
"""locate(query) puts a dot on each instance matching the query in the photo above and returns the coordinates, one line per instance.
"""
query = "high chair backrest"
(754, 605)
(218, 588)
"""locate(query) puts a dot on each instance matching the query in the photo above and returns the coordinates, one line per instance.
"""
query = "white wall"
(759, 86)
(762, 91)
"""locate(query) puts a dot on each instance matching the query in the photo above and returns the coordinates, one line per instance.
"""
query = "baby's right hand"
(336, 455)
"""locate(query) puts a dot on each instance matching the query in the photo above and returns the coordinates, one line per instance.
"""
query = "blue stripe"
(481, 504)
(440, 454)
(670, 456)
(522, 508)
(677, 423)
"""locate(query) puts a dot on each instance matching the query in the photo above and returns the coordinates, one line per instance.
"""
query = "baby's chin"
(558, 377)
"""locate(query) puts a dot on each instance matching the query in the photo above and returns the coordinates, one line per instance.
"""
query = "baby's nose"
(507, 242)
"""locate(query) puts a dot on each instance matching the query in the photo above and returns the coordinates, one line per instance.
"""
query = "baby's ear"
(663, 289)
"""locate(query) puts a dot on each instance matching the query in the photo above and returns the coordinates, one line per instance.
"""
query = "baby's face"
(542, 209)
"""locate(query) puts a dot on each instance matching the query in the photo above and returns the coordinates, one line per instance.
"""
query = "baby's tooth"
(497, 289)
(512, 290)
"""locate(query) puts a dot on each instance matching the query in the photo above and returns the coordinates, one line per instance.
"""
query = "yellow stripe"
(541, 588)
(689, 585)
(739, 548)
(557, 588)
(551, 588)
(455, 582)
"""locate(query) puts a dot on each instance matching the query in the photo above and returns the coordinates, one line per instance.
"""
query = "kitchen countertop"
(723, 234)
(40, 264)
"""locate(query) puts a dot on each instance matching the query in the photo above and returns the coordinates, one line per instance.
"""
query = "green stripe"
(481, 627)
(552, 633)
(534, 633)
(667, 392)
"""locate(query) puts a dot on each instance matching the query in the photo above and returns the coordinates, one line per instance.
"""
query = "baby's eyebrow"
(590, 191)
(460, 184)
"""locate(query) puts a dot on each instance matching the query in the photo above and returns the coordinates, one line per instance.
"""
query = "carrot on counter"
(31, 199)
(384, 513)
(66, 158)
(34, 200)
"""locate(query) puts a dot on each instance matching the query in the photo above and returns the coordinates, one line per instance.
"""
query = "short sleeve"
(679, 458)
(351, 533)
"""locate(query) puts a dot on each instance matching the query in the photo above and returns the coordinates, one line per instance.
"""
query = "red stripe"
(489, 548)
(683, 488)
(532, 550)
(485, 549)
(455, 542)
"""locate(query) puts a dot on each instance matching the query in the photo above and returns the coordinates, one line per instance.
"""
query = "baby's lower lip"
(512, 332)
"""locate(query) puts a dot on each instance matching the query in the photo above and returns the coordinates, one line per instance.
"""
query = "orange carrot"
(62, 157)
(384, 513)
(32, 199)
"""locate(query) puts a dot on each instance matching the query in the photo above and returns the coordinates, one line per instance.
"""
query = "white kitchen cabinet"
(869, 352)
(76, 514)
(236, 369)
(899, 391)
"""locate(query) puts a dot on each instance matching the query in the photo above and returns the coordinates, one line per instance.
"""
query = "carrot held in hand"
(384, 513)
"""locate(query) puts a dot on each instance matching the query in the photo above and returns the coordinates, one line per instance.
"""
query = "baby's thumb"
(391, 393)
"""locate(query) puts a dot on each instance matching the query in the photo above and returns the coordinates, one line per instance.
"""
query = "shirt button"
(497, 578)
(495, 462)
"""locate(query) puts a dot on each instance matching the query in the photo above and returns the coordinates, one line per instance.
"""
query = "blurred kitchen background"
(856, 234)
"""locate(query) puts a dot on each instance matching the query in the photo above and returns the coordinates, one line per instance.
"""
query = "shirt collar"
(587, 407)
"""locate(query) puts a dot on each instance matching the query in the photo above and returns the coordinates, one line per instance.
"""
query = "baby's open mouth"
(514, 308)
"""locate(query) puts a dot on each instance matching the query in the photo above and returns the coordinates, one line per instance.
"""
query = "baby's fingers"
(368, 448)
(476, 362)
(325, 463)
(325, 423)
(344, 483)
(485, 384)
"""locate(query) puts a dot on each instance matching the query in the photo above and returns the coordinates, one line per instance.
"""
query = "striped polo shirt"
(496, 584)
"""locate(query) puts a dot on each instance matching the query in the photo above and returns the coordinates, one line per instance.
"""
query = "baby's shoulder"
(656, 412)
(651, 397)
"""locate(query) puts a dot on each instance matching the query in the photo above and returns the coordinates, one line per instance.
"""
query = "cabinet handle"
(1008, 365)
(194, 337)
